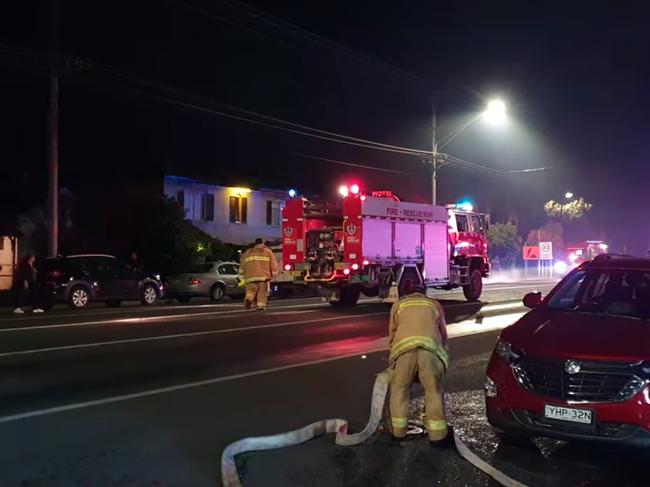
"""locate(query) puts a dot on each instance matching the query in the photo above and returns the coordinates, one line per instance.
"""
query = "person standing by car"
(257, 267)
(25, 288)
(418, 348)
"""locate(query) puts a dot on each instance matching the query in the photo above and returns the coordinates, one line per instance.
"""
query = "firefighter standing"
(418, 341)
(257, 267)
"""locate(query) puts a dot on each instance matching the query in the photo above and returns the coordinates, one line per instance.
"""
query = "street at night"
(144, 395)
(150, 396)
(249, 243)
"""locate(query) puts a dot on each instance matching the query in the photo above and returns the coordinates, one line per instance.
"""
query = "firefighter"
(418, 348)
(257, 267)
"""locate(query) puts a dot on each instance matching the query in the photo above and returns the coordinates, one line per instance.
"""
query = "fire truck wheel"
(473, 290)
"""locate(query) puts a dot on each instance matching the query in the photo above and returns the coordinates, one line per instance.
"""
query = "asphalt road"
(150, 396)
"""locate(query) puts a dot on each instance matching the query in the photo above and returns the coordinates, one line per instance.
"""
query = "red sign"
(531, 253)
(384, 194)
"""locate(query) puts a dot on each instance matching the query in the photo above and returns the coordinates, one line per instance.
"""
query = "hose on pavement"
(230, 475)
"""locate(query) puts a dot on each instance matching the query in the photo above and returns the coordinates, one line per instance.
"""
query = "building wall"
(8, 257)
(196, 205)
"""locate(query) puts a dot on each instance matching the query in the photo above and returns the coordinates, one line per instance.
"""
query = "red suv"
(578, 365)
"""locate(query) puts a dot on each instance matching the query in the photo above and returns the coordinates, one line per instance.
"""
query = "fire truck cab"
(376, 245)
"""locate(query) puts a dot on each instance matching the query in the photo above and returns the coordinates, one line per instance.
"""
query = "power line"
(296, 127)
(318, 39)
(232, 23)
(351, 164)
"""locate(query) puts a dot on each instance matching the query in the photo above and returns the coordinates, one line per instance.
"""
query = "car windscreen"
(617, 292)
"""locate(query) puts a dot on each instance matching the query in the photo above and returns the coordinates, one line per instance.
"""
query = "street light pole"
(434, 155)
(53, 138)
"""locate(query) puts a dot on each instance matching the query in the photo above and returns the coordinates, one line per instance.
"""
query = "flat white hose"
(230, 476)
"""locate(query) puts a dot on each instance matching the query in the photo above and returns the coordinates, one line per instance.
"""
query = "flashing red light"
(287, 267)
(346, 272)
(355, 267)
(366, 262)
(193, 281)
(354, 189)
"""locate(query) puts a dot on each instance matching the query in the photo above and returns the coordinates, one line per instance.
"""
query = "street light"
(494, 113)
(568, 195)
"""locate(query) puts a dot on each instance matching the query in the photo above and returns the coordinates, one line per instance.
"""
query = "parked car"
(80, 279)
(212, 279)
(578, 365)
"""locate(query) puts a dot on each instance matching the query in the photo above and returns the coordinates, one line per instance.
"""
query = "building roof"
(186, 180)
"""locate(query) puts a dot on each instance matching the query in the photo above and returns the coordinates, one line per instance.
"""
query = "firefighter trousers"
(429, 370)
(257, 292)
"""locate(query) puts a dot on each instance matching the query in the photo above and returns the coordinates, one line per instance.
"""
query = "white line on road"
(145, 319)
(179, 335)
(463, 329)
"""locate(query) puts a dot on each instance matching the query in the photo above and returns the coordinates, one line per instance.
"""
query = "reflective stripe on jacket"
(417, 322)
(258, 264)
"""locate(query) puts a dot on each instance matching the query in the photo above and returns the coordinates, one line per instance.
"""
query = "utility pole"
(53, 136)
(434, 154)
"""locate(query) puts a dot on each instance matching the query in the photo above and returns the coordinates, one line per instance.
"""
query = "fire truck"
(377, 246)
(576, 254)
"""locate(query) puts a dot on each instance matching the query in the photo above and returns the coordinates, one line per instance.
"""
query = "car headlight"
(504, 350)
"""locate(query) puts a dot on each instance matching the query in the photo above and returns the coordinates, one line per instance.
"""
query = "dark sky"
(574, 75)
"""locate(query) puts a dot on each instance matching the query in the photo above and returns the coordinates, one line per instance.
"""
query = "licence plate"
(584, 416)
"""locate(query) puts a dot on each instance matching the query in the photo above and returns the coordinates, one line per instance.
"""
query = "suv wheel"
(149, 295)
(217, 292)
(78, 298)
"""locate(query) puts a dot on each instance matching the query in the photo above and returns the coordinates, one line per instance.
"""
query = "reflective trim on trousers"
(399, 422)
(435, 424)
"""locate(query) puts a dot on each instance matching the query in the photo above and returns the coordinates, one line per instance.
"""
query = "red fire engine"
(375, 245)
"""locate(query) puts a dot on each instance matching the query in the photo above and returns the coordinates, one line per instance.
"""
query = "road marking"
(165, 390)
(219, 314)
(144, 319)
(469, 328)
(178, 335)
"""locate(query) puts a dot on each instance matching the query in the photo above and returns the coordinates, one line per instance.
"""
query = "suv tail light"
(54, 274)
(193, 281)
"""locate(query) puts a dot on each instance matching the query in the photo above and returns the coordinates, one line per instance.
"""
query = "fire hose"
(230, 475)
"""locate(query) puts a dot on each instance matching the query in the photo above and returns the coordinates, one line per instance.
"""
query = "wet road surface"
(150, 396)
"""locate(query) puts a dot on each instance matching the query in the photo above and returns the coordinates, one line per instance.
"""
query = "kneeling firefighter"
(418, 348)
(256, 269)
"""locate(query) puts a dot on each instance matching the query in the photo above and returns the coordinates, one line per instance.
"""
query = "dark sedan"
(80, 279)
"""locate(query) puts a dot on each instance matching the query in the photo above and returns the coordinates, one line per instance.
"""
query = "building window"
(272, 214)
(238, 209)
(207, 207)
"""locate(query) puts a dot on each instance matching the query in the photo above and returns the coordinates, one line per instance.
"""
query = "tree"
(573, 210)
(168, 243)
(504, 243)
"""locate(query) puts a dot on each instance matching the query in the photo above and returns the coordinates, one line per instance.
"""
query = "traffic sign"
(546, 250)
(531, 252)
